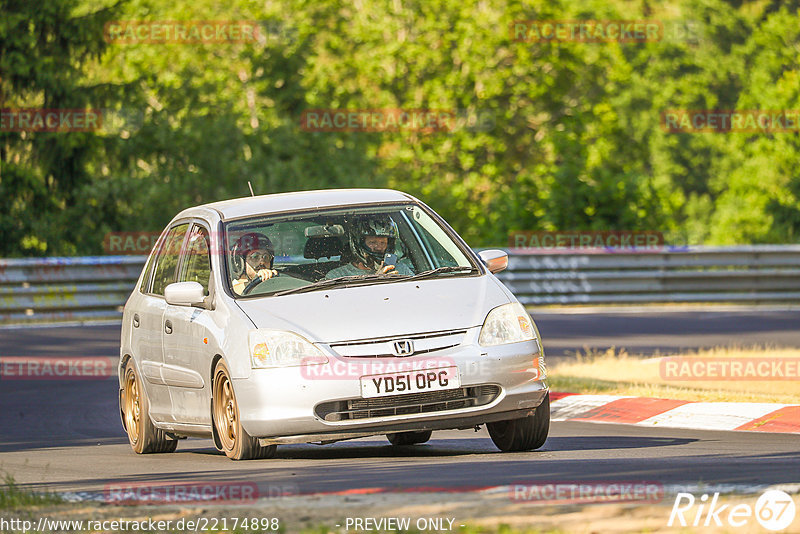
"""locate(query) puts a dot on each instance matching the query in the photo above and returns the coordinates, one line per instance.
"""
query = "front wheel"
(523, 434)
(236, 443)
(144, 437)
(409, 438)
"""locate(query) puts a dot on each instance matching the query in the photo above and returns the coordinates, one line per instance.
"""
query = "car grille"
(413, 403)
(384, 348)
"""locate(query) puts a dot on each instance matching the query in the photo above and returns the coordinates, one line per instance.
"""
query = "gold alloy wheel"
(234, 440)
(132, 405)
(226, 414)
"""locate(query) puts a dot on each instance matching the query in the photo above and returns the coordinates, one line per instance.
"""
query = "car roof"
(282, 202)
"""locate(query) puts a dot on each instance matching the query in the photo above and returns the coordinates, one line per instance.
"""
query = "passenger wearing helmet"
(370, 239)
(251, 256)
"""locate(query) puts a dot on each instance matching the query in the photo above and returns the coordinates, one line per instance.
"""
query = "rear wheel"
(236, 443)
(409, 438)
(144, 437)
(524, 434)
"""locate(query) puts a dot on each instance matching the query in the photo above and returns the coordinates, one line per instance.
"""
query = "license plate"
(410, 382)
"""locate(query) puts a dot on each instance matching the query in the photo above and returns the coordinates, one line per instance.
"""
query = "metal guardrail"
(752, 274)
(66, 289)
(95, 288)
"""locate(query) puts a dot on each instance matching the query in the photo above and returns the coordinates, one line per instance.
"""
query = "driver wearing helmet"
(251, 256)
(371, 238)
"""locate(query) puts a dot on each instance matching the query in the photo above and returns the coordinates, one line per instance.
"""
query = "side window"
(145, 287)
(167, 260)
(443, 250)
(197, 262)
(441, 256)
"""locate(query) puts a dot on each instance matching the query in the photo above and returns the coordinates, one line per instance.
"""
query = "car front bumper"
(280, 405)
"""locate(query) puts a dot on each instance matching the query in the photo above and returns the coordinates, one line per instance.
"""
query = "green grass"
(574, 384)
(12, 496)
(613, 372)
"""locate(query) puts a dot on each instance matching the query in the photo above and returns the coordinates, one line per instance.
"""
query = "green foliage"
(12, 497)
(44, 49)
(552, 136)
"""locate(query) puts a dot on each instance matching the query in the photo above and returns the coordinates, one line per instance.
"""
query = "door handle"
(168, 326)
(136, 320)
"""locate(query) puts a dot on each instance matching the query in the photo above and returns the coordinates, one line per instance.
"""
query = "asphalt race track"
(639, 332)
(66, 435)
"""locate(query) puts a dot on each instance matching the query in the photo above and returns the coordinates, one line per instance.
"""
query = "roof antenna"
(251, 188)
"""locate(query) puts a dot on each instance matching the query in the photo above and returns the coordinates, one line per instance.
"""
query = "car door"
(150, 320)
(187, 357)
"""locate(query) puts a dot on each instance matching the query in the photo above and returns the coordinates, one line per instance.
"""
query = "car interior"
(309, 249)
(328, 253)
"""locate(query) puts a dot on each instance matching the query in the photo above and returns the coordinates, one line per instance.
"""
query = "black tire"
(525, 434)
(236, 443)
(143, 436)
(409, 438)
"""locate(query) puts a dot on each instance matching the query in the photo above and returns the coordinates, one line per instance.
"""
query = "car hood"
(380, 310)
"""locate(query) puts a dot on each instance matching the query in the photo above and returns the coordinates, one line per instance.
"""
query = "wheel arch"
(214, 436)
(123, 364)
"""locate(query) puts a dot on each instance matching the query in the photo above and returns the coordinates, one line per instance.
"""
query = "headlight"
(509, 323)
(277, 348)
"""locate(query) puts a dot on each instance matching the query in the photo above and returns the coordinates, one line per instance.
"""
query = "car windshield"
(341, 247)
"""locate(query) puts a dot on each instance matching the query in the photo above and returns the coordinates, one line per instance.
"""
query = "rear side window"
(167, 260)
(145, 287)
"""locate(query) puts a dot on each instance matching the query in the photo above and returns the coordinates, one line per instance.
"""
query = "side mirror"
(185, 294)
(495, 260)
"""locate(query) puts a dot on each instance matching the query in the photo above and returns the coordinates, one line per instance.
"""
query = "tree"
(44, 49)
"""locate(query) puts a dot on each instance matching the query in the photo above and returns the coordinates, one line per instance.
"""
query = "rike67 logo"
(774, 510)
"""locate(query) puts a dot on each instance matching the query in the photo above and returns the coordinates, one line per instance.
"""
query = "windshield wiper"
(341, 281)
(357, 279)
(440, 270)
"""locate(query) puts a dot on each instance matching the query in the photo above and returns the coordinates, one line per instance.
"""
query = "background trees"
(552, 135)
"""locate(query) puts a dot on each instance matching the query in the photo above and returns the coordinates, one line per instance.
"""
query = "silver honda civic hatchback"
(319, 316)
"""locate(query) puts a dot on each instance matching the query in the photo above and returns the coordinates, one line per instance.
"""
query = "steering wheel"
(253, 283)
